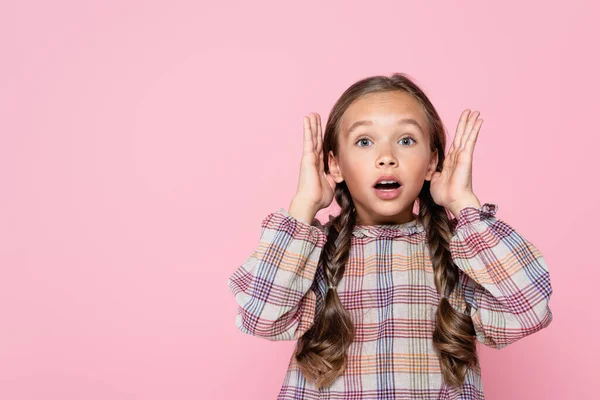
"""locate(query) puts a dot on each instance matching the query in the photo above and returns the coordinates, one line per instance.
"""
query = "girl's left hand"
(452, 188)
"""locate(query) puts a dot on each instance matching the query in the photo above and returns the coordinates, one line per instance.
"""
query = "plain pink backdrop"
(143, 142)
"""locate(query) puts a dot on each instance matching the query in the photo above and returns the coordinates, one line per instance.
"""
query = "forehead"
(384, 108)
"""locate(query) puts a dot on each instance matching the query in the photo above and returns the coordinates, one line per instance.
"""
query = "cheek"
(355, 177)
(355, 171)
(417, 165)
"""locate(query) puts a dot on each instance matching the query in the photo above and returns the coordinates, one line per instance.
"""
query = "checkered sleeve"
(278, 288)
(504, 277)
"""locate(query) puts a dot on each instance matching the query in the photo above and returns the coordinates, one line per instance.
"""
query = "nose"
(386, 159)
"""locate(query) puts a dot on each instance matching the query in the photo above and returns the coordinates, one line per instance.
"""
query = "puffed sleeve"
(503, 277)
(280, 287)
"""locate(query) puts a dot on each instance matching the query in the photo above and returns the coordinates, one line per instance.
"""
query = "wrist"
(302, 210)
(458, 206)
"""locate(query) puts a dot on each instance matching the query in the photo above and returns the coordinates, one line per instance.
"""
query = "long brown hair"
(321, 352)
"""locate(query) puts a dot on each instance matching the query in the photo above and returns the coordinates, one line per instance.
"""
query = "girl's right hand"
(314, 186)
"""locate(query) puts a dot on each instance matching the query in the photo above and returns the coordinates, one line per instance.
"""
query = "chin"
(390, 209)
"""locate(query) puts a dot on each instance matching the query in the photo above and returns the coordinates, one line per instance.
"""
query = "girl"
(385, 303)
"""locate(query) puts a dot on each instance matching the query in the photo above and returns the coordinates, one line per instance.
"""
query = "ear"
(334, 168)
(431, 168)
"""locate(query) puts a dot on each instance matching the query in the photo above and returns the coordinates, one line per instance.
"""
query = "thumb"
(436, 175)
(330, 180)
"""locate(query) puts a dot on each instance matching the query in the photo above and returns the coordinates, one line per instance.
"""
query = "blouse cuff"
(474, 214)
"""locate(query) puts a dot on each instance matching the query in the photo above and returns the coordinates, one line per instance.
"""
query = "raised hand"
(453, 187)
(314, 186)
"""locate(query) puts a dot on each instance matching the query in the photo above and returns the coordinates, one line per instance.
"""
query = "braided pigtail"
(322, 351)
(454, 334)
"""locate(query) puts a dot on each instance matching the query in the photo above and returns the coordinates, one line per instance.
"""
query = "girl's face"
(375, 141)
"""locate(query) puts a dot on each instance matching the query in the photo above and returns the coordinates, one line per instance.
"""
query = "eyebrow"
(410, 121)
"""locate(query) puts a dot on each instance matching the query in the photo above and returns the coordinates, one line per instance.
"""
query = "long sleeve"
(279, 287)
(504, 278)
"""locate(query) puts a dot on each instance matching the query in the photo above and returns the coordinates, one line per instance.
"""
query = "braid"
(454, 334)
(322, 351)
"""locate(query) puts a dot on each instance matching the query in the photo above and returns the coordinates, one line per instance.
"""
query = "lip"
(388, 194)
(387, 178)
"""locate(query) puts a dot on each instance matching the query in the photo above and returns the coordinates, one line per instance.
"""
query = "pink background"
(144, 142)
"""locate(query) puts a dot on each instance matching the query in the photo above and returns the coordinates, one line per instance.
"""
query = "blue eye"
(408, 137)
(365, 139)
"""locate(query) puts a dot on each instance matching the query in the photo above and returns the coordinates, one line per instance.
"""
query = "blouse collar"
(388, 230)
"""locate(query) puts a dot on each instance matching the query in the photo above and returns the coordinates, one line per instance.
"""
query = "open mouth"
(387, 186)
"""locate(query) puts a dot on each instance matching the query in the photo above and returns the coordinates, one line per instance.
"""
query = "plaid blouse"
(388, 288)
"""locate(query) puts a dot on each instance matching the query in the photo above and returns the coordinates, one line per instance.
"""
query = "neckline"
(388, 230)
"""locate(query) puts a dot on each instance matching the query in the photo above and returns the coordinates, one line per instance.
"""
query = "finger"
(313, 128)
(319, 134)
(469, 128)
(449, 155)
(321, 165)
(308, 143)
(321, 161)
(470, 144)
(320, 144)
(460, 128)
(330, 180)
